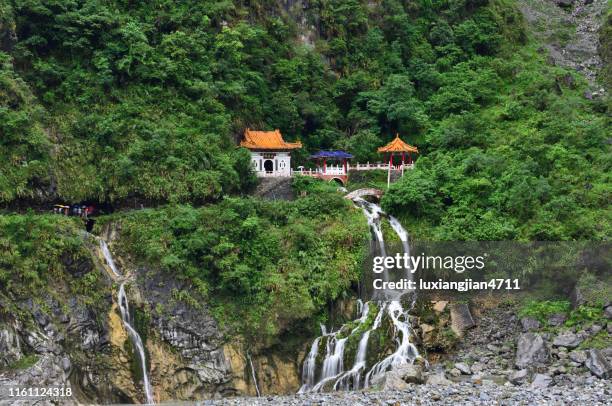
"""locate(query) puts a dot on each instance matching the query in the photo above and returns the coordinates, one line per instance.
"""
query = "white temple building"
(270, 154)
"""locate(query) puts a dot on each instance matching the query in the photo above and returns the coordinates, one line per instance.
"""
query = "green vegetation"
(542, 310)
(510, 148)
(531, 162)
(36, 250)
(261, 265)
(24, 362)
(582, 316)
(105, 101)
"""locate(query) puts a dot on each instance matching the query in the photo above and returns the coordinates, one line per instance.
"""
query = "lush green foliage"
(144, 99)
(31, 250)
(581, 316)
(509, 147)
(46, 258)
(535, 164)
(262, 265)
(24, 147)
(542, 310)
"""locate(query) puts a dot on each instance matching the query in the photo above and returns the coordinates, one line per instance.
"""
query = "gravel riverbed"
(590, 392)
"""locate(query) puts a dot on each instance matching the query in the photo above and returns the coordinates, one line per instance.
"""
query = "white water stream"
(253, 375)
(122, 302)
(388, 304)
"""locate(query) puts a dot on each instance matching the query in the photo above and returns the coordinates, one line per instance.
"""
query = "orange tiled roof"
(397, 145)
(266, 140)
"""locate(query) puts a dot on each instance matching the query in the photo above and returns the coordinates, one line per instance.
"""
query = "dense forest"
(106, 100)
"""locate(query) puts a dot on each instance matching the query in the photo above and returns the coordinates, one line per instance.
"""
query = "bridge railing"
(339, 169)
(384, 166)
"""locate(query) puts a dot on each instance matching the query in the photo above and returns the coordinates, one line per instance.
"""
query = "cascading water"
(124, 308)
(354, 374)
(405, 353)
(388, 304)
(108, 257)
(403, 236)
(373, 213)
(253, 375)
(309, 369)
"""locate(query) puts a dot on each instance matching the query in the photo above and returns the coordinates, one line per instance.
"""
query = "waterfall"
(333, 365)
(373, 214)
(136, 340)
(109, 258)
(309, 369)
(403, 236)
(405, 353)
(354, 374)
(124, 308)
(253, 375)
(389, 305)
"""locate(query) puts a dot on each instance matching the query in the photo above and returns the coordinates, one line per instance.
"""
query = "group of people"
(74, 210)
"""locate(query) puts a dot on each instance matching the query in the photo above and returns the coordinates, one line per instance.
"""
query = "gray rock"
(528, 323)
(461, 318)
(399, 378)
(463, 368)
(519, 377)
(557, 319)
(437, 379)
(564, 3)
(411, 373)
(598, 364)
(541, 381)
(530, 350)
(10, 347)
(477, 367)
(595, 328)
(608, 312)
(66, 364)
(568, 339)
(454, 372)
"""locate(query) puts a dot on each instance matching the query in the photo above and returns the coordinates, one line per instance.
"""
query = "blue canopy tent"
(336, 155)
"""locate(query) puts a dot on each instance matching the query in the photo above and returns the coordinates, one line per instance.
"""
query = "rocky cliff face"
(190, 357)
(66, 341)
(570, 32)
(60, 340)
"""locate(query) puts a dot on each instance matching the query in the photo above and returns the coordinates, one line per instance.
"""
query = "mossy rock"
(592, 291)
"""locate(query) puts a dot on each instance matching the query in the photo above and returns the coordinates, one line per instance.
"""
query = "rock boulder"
(598, 364)
(530, 350)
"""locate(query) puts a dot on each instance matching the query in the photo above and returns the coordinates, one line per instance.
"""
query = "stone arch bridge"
(365, 192)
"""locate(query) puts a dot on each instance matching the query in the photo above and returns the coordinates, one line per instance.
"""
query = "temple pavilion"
(270, 153)
(395, 147)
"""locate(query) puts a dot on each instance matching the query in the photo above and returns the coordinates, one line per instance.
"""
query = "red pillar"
(390, 159)
(324, 165)
(403, 158)
(344, 164)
